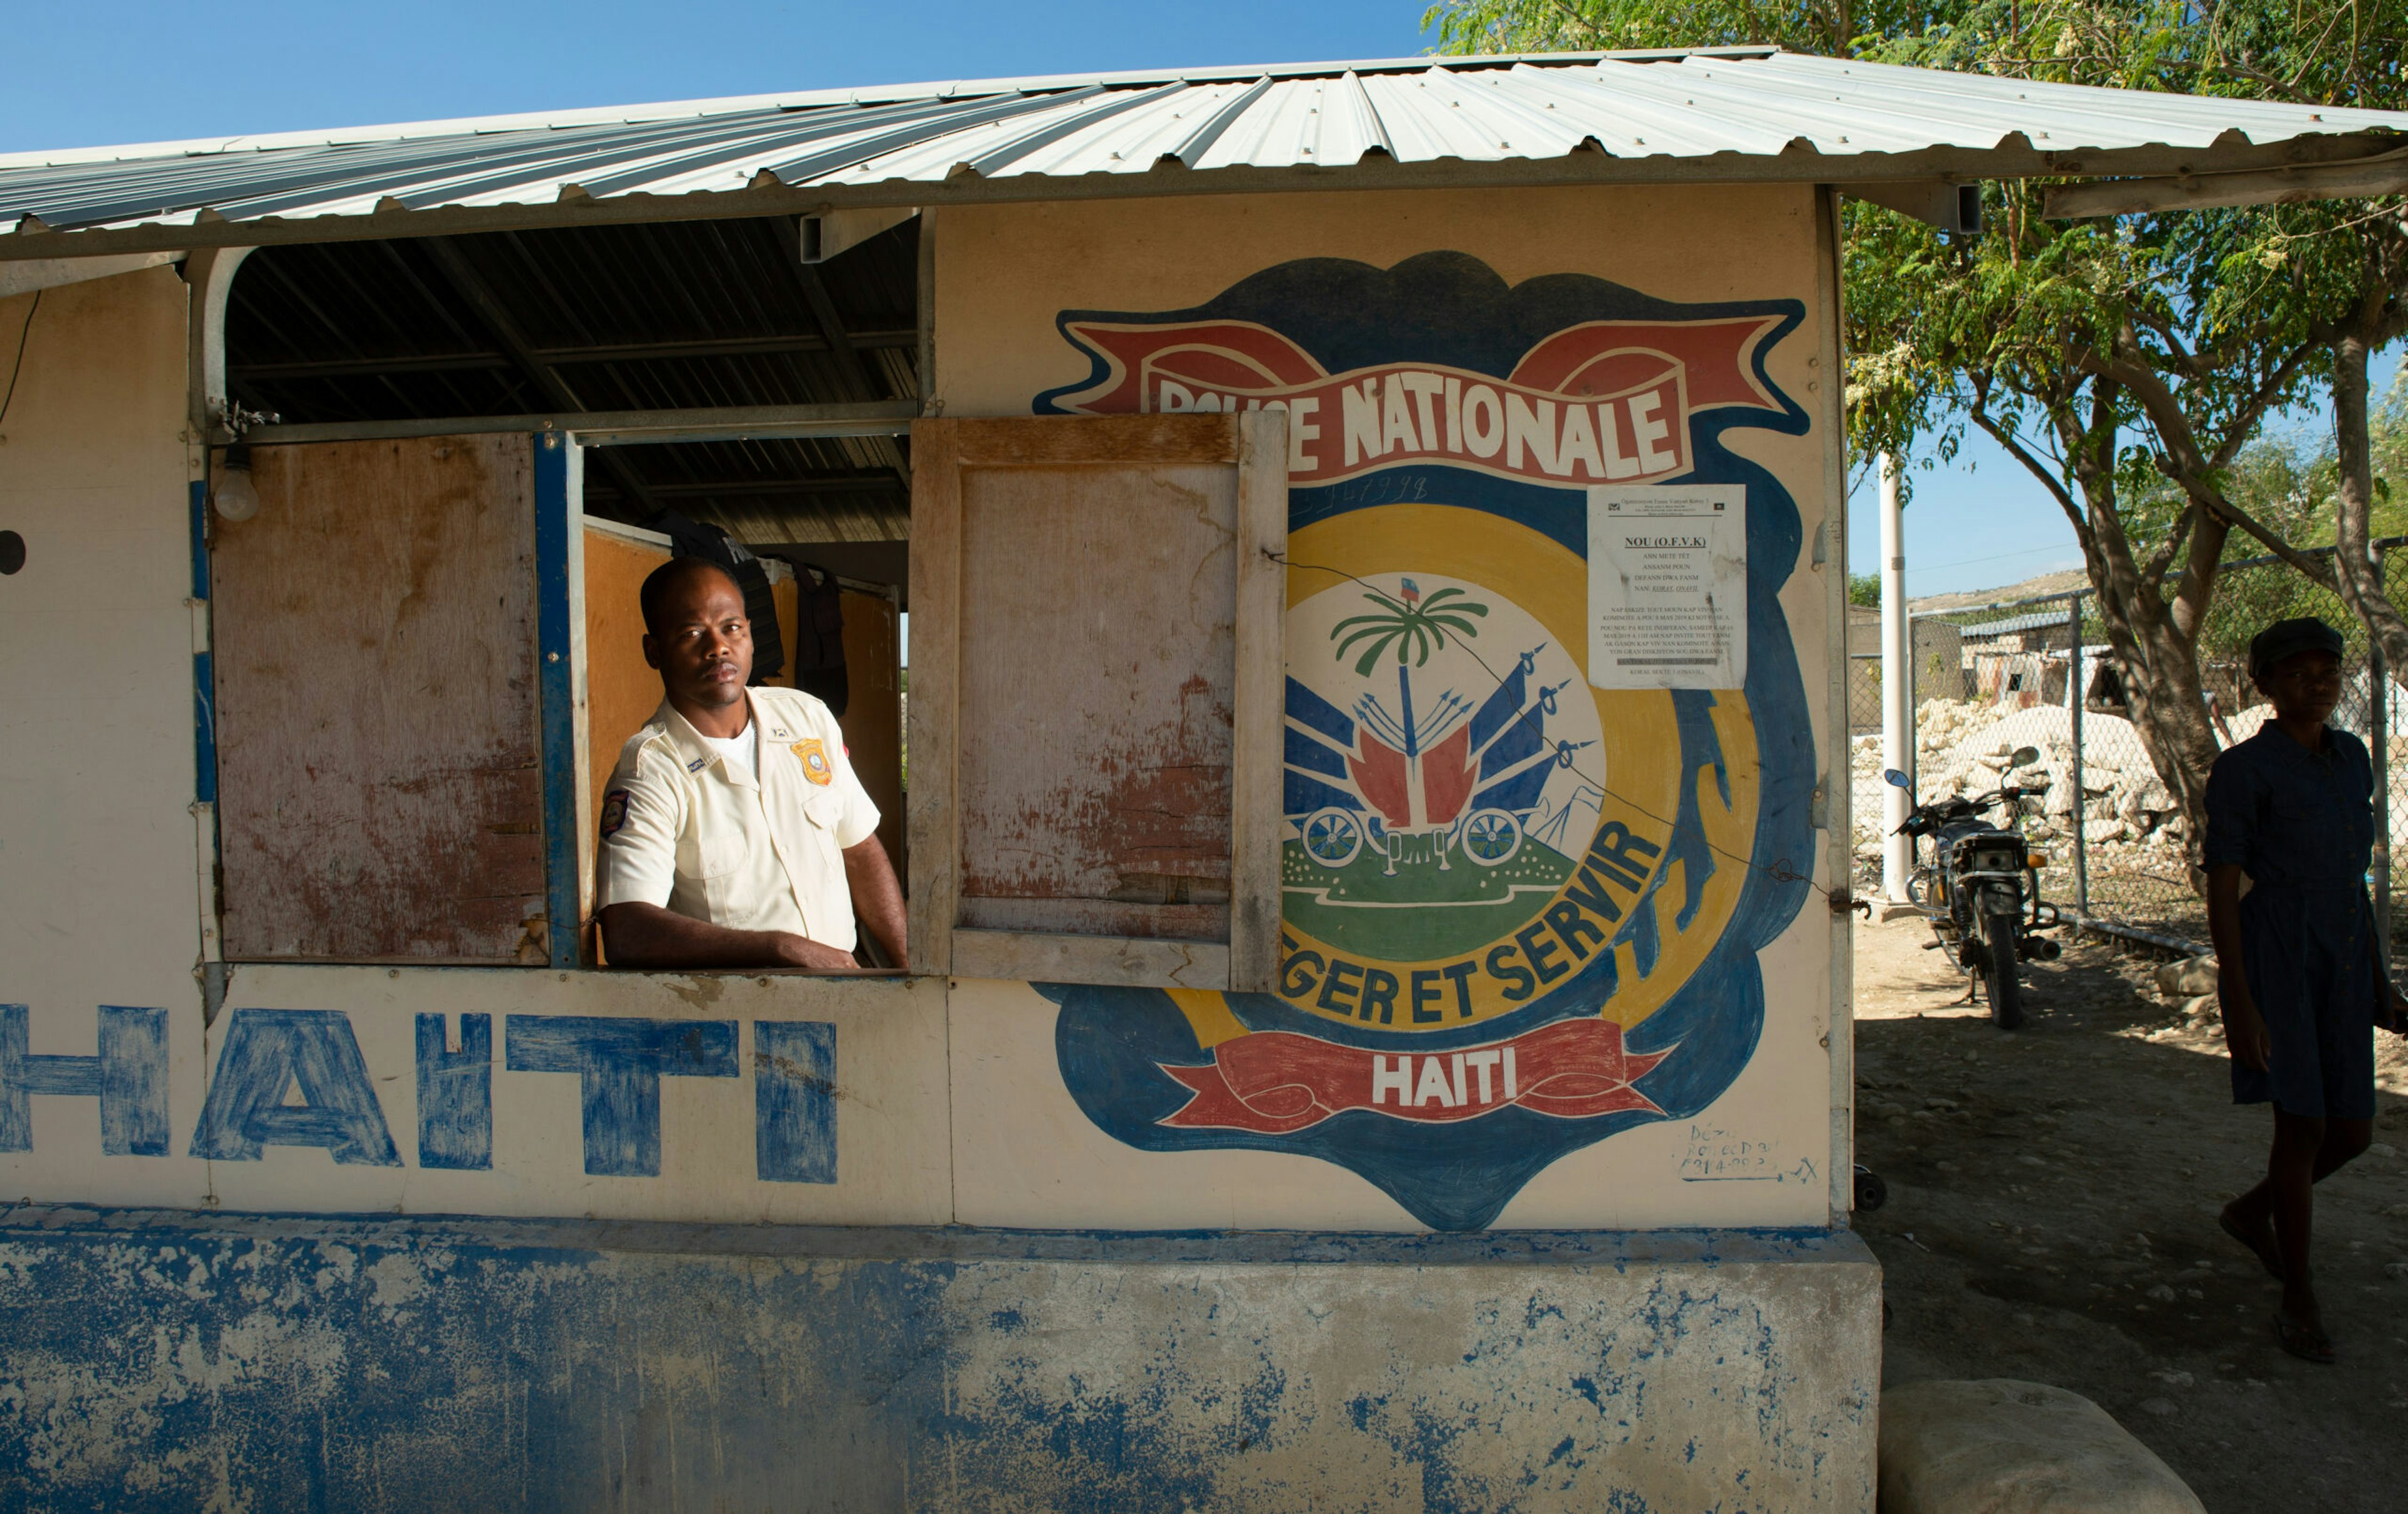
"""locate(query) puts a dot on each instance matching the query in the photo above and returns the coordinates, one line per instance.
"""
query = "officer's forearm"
(648, 936)
(877, 897)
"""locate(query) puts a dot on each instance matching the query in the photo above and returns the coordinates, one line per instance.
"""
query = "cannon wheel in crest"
(1490, 838)
(1333, 836)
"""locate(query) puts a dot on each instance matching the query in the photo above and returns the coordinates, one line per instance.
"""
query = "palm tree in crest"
(1415, 628)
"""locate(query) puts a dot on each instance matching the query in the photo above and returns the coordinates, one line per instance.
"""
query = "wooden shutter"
(1097, 686)
(381, 785)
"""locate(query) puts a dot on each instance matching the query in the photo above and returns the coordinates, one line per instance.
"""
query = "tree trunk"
(2360, 576)
(2158, 657)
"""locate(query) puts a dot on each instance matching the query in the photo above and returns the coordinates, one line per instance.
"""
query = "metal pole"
(2378, 721)
(2077, 695)
(1914, 703)
(1897, 687)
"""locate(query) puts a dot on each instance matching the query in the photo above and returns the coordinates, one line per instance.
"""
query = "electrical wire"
(25, 340)
(1780, 870)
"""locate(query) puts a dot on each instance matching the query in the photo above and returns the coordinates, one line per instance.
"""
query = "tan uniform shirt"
(760, 850)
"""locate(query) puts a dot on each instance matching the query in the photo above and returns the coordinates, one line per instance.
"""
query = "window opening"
(787, 523)
(486, 338)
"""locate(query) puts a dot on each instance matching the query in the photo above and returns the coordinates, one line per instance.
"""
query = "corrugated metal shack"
(1377, 1017)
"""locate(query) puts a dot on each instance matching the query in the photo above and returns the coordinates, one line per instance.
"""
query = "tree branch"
(2162, 560)
(2244, 423)
(1576, 18)
(2282, 89)
(2183, 460)
(2015, 449)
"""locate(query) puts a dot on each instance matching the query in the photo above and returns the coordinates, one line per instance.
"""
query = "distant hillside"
(1864, 621)
(2030, 588)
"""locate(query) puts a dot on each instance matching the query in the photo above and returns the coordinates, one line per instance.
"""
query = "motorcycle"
(1980, 889)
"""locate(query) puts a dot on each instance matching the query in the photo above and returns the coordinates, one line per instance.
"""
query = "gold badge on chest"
(814, 759)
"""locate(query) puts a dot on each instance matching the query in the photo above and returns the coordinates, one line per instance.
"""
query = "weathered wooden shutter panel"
(1097, 687)
(380, 752)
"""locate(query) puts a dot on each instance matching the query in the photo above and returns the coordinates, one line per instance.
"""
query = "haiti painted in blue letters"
(297, 1078)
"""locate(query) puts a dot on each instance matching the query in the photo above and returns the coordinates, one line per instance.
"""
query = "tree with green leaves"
(2291, 482)
(1831, 27)
(2084, 349)
(1890, 396)
(2341, 266)
(2096, 355)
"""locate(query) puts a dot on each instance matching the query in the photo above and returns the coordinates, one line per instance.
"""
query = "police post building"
(1376, 1031)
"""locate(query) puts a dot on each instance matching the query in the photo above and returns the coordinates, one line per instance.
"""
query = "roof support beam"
(853, 373)
(826, 236)
(504, 327)
(2383, 175)
(848, 358)
(624, 429)
(639, 352)
(49, 273)
(881, 482)
(1954, 208)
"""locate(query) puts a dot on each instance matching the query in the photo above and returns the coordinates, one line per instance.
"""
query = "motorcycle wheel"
(2005, 981)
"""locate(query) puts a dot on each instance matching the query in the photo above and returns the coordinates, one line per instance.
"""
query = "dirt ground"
(2052, 1195)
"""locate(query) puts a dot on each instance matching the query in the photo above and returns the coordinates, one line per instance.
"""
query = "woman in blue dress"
(2302, 975)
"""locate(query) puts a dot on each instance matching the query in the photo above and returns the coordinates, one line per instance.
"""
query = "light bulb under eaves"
(235, 497)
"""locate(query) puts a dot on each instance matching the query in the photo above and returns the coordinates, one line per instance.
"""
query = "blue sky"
(110, 71)
(1983, 521)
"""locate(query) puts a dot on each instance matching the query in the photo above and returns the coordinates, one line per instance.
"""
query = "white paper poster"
(1668, 585)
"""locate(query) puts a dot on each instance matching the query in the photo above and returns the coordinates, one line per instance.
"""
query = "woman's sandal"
(2305, 1344)
(2263, 1250)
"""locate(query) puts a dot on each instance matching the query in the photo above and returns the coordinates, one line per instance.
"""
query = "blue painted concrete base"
(157, 1361)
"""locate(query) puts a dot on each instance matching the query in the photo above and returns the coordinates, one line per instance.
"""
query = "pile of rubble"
(1965, 748)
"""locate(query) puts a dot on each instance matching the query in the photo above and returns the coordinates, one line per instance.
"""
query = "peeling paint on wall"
(365, 1364)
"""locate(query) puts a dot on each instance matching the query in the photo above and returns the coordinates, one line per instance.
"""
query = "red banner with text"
(1278, 1081)
(1606, 401)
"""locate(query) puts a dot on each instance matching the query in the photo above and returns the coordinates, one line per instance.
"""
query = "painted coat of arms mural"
(1523, 890)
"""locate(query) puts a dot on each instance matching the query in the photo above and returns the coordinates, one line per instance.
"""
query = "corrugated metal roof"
(2053, 619)
(675, 316)
(1633, 116)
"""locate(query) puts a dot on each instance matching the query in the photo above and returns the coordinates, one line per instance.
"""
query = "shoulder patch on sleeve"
(614, 811)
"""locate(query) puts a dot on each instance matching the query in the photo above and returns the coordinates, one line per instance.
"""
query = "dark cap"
(2288, 637)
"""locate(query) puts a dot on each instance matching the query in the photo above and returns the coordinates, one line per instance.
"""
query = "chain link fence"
(2039, 674)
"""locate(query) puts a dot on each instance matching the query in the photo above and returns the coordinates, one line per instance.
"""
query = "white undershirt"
(737, 749)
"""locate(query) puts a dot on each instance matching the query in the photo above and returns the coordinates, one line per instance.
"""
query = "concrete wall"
(361, 1366)
(622, 1323)
(99, 871)
(1659, 975)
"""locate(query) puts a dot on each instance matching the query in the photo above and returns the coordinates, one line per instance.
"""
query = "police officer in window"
(734, 832)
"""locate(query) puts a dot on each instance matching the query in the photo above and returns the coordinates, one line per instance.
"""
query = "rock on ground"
(2187, 978)
(2002, 1446)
